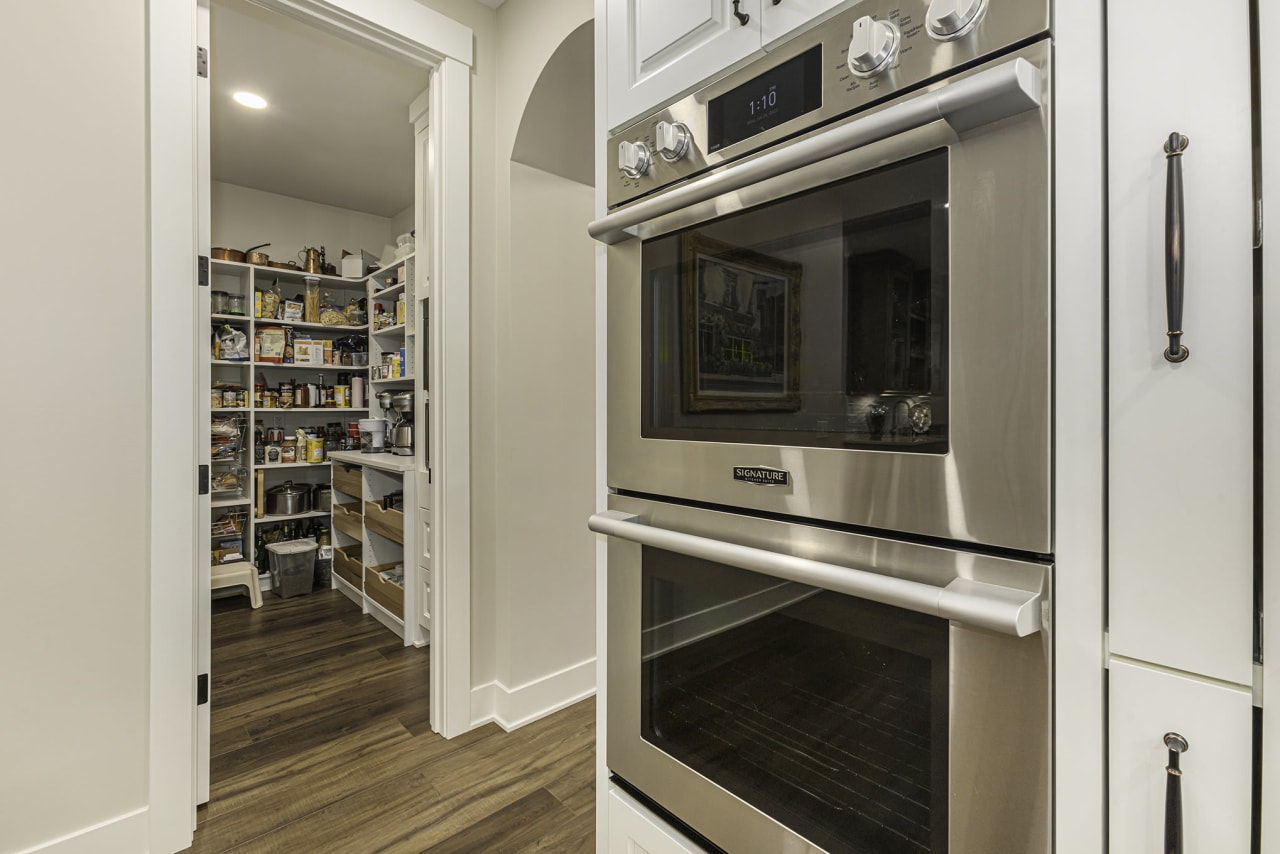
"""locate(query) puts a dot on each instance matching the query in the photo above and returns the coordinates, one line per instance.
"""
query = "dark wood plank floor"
(321, 742)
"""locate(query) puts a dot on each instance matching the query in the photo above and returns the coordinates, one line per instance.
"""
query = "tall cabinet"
(1181, 539)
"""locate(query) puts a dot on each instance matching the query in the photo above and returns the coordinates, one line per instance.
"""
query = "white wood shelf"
(232, 317)
(269, 519)
(389, 330)
(230, 502)
(284, 274)
(237, 363)
(409, 378)
(220, 409)
(274, 466)
(285, 409)
(298, 324)
(296, 366)
(387, 292)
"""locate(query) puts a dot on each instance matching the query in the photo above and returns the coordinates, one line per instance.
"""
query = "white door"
(1181, 434)
(1216, 770)
(661, 49)
(203, 557)
(780, 18)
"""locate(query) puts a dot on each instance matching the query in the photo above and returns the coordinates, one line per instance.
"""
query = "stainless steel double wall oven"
(829, 343)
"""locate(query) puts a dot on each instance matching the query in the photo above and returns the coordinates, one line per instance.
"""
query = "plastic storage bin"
(292, 567)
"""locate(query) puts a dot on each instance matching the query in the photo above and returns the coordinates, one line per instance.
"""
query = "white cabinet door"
(1216, 771)
(660, 49)
(1181, 454)
(633, 829)
(779, 18)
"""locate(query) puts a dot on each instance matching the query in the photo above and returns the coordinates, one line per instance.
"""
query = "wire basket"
(229, 523)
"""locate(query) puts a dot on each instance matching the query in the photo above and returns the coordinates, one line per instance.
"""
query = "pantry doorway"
(180, 236)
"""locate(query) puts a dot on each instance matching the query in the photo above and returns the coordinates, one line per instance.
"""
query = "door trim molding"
(401, 28)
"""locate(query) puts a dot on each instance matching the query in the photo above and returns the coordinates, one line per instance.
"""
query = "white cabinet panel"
(785, 17)
(660, 49)
(1216, 770)
(1181, 456)
(633, 829)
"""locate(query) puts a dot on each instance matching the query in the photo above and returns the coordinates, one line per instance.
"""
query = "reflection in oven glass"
(818, 320)
(825, 712)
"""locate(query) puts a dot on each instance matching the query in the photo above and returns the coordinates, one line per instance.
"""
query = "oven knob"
(873, 45)
(634, 158)
(950, 19)
(672, 140)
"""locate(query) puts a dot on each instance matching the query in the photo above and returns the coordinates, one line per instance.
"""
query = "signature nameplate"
(762, 476)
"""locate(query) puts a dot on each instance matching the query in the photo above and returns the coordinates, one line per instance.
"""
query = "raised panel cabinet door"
(1216, 770)
(780, 18)
(633, 829)
(1180, 471)
(659, 50)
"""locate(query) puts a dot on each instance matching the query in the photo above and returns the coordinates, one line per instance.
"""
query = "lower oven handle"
(988, 96)
(975, 603)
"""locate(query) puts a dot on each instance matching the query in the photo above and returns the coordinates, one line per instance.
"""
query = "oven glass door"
(825, 712)
(819, 320)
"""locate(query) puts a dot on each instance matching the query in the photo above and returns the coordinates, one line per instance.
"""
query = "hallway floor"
(321, 743)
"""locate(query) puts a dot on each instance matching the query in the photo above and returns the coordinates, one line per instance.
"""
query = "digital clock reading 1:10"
(779, 95)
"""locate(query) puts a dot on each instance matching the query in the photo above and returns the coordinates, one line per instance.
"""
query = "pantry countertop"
(383, 461)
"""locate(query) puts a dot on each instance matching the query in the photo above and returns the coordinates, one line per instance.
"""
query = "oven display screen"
(779, 95)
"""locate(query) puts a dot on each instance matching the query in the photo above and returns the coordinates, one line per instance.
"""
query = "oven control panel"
(852, 62)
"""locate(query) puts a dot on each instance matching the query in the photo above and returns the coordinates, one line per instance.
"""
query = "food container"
(322, 500)
(235, 305)
(218, 301)
(288, 499)
(315, 450)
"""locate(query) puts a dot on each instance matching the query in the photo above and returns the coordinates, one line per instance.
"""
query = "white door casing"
(402, 28)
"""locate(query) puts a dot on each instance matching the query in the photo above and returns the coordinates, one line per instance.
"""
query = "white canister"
(357, 392)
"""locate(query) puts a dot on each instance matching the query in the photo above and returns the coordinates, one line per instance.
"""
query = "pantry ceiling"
(336, 130)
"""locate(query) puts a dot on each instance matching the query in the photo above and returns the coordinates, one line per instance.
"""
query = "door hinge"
(202, 271)
(202, 61)
(204, 480)
(1257, 224)
(202, 689)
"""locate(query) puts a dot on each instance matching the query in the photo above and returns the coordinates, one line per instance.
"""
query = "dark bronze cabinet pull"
(1173, 793)
(1174, 271)
(742, 16)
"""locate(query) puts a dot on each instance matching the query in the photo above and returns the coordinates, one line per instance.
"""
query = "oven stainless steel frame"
(993, 485)
(998, 791)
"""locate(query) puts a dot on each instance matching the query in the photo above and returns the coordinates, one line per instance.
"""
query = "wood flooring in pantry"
(321, 743)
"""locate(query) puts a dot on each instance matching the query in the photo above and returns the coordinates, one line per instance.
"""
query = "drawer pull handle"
(1174, 246)
(1173, 793)
(742, 16)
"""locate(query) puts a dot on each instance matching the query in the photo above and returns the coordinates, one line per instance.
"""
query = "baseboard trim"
(512, 708)
(124, 834)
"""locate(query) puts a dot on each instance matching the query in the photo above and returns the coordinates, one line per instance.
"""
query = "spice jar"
(235, 305)
(218, 302)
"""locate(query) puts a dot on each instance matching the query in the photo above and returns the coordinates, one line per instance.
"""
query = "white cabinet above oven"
(658, 49)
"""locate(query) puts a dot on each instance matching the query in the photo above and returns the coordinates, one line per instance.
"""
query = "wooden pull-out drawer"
(346, 479)
(346, 563)
(388, 523)
(386, 593)
(346, 518)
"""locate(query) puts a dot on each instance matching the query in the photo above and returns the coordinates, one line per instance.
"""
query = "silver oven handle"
(986, 97)
(975, 603)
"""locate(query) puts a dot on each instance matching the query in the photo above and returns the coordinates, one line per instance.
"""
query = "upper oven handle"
(974, 603)
(988, 96)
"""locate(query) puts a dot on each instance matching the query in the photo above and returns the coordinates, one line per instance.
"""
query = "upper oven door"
(866, 308)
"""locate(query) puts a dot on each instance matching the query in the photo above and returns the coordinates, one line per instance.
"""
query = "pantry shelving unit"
(383, 287)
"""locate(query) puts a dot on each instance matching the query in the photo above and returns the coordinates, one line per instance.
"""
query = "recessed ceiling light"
(250, 100)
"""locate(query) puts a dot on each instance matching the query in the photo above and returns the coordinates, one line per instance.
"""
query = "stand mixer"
(398, 408)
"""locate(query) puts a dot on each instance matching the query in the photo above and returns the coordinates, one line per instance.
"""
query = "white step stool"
(238, 574)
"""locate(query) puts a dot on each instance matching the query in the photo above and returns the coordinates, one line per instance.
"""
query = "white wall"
(244, 217)
(73, 640)
(522, 571)
(401, 223)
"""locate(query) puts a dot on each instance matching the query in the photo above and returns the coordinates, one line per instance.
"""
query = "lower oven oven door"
(783, 688)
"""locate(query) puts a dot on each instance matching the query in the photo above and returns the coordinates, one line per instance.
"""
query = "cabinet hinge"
(203, 480)
(1258, 670)
(202, 271)
(202, 61)
(1257, 224)
(202, 689)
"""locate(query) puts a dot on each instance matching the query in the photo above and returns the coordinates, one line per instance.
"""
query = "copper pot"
(219, 253)
(283, 265)
(311, 262)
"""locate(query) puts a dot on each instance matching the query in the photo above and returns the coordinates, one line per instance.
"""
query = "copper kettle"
(312, 260)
